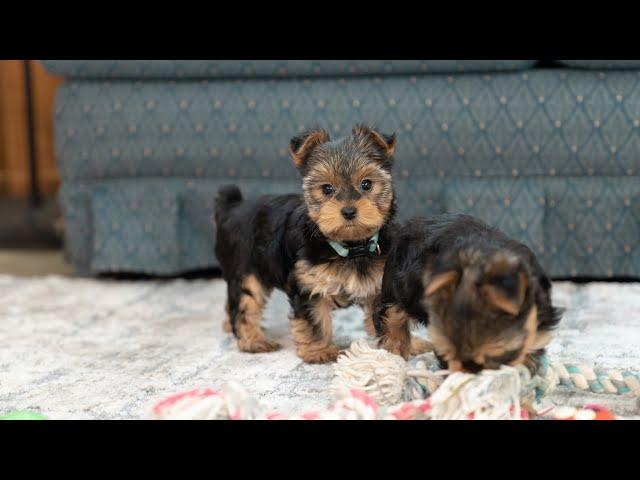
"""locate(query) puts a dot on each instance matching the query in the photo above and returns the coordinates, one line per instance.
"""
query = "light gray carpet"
(82, 348)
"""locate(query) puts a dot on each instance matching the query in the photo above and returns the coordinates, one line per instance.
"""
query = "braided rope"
(389, 379)
(598, 380)
(585, 378)
(372, 383)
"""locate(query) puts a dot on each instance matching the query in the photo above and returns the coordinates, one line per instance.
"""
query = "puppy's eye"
(365, 185)
(327, 189)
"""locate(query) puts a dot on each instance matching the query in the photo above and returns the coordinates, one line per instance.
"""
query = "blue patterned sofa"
(549, 155)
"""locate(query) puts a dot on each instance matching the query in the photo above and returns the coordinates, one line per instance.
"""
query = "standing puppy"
(326, 248)
(484, 298)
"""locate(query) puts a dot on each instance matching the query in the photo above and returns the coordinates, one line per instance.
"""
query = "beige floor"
(31, 263)
(104, 349)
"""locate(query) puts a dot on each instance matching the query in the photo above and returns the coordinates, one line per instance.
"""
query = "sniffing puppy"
(325, 249)
(484, 298)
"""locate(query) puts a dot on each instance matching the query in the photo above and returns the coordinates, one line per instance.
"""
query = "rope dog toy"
(373, 384)
(389, 378)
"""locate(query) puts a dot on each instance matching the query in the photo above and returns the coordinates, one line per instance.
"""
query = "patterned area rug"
(99, 349)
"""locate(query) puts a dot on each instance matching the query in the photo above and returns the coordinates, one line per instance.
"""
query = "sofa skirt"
(577, 226)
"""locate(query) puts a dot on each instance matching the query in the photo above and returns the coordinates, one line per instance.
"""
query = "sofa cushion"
(592, 226)
(149, 226)
(527, 124)
(176, 69)
(577, 226)
(602, 64)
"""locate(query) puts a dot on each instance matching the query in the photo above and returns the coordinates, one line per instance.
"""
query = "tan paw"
(257, 345)
(321, 355)
(419, 346)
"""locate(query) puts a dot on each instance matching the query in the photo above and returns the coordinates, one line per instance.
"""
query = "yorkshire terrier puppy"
(483, 297)
(325, 248)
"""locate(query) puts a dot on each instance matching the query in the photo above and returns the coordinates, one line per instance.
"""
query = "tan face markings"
(531, 329)
(379, 177)
(497, 298)
(372, 206)
(332, 224)
(485, 352)
(441, 343)
(541, 341)
(319, 175)
(522, 341)
(380, 197)
(329, 218)
(369, 220)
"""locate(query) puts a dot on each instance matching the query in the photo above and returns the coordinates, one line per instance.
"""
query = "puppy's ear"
(440, 281)
(505, 290)
(301, 146)
(386, 143)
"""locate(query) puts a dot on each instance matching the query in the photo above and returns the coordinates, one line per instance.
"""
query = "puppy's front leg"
(417, 346)
(369, 326)
(392, 329)
(311, 328)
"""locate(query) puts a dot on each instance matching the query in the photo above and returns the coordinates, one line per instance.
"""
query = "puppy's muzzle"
(349, 212)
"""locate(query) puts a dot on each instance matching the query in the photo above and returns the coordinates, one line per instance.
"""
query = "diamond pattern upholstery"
(549, 156)
(541, 122)
(577, 226)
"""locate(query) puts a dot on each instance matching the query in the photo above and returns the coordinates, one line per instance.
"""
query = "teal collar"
(370, 247)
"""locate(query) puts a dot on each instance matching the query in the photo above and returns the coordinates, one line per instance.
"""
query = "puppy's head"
(481, 308)
(346, 183)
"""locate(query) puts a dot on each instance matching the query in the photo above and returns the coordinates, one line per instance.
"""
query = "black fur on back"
(422, 243)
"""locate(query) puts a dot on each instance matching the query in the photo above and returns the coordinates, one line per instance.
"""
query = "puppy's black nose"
(349, 212)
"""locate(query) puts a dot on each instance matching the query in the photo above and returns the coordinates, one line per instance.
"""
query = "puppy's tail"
(228, 196)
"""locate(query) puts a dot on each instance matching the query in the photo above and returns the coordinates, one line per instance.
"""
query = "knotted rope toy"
(388, 378)
(374, 384)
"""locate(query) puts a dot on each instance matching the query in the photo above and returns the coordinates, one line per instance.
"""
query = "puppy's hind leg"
(246, 316)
